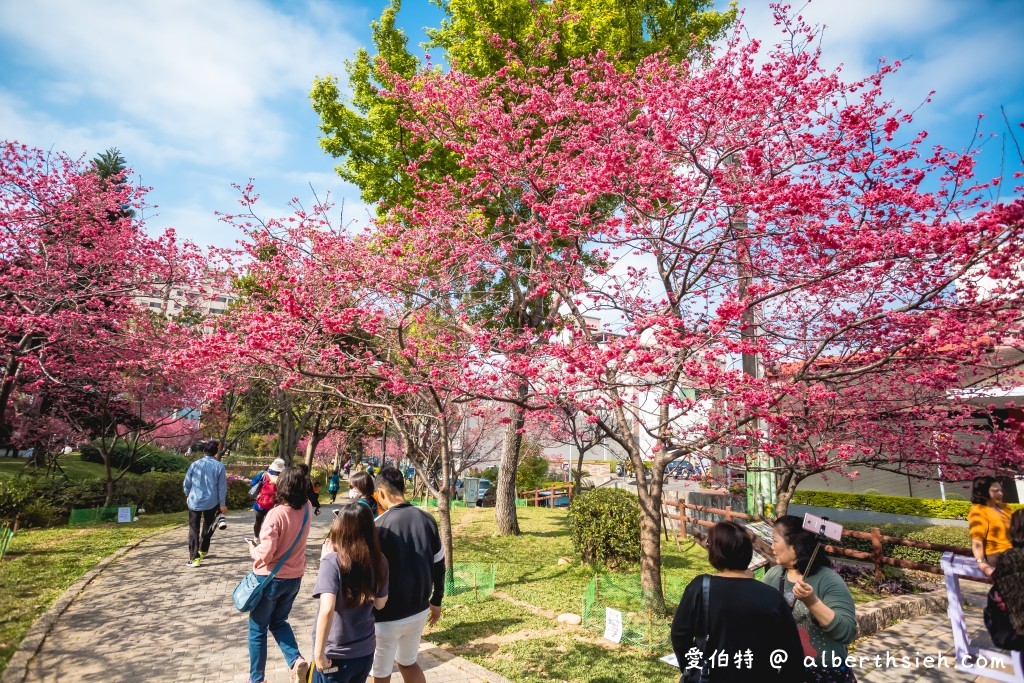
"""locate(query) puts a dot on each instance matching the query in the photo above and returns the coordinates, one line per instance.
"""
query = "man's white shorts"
(397, 641)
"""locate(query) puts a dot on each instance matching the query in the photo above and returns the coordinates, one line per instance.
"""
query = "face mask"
(353, 494)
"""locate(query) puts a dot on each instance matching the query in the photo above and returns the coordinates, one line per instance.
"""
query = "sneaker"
(193, 563)
(300, 671)
(202, 555)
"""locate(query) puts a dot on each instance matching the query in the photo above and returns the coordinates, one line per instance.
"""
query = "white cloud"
(203, 77)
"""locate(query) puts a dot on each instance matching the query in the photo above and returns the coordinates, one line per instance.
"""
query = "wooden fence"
(877, 556)
(546, 496)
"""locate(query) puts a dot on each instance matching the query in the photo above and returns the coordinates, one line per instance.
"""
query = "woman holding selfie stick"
(822, 604)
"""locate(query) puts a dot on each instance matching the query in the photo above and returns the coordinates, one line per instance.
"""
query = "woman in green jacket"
(821, 602)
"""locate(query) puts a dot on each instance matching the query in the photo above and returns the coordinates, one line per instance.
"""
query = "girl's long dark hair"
(791, 528)
(354, 538)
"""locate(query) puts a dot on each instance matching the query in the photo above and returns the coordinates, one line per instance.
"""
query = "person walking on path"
(989, 523)
(412, 546)
(334, 485)
(311, 493)
(746, 623)
(264, 502)
(352, 582)
(362, 491)
(289, 519)
(206, 492)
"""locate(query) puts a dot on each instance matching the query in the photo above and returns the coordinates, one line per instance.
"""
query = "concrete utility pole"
(760, 474)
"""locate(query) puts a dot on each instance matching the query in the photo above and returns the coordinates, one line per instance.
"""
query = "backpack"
(265, 498)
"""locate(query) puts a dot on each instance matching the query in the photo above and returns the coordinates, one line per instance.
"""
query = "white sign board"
(565, 467)
(612, 625)
(671, 659)
(124, 515)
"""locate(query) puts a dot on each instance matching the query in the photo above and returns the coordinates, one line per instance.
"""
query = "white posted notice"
(124, 515)
(612, 624)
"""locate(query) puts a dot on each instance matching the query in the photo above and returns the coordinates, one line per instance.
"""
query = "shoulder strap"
(305, 516)
(706, 591)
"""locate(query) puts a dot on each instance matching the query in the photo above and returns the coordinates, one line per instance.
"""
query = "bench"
(969, 658)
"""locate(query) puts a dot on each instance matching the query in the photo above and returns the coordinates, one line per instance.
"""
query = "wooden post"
(682, 519)
(876, 551)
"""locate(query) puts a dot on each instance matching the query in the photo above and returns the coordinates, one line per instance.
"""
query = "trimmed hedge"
(147, 458)
(604, 525)
(897, 505)
(39, 501)
(957, 536)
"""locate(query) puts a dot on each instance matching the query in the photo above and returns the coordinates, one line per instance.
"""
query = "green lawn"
(528, 648)
(41, 564)
(73, 465)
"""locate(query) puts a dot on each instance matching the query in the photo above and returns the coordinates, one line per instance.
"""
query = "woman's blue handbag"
(249, 590)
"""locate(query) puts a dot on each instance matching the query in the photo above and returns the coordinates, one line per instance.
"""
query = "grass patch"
(41, 564)
(76, 468)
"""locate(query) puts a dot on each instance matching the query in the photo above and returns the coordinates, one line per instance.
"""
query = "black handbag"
(703, 673)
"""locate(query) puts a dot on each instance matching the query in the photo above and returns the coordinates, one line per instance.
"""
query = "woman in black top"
(752, 635)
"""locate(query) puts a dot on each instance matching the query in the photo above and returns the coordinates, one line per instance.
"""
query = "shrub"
(956, 536)
(147, 458)
(604, 525)
(238, 493)
(15, 492)
(532, 472)
(490, 474)
(156, 492)
(899, 505)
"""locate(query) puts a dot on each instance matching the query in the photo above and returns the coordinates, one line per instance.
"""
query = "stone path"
(148, 617)
(920, 637)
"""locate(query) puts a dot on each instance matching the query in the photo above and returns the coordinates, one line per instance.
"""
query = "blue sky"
(199, 95)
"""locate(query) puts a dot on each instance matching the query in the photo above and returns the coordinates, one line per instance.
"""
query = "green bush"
(532, 472)
(956, 536)
(156, 492)
(238, 494)
(15, 492)
(490, 474)
(147, 458)
(39, 512)
(604, 525)
(898, 505)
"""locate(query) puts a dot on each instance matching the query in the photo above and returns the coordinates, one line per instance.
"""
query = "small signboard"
(612, 625)
(670, 659)
(124, 515)
(761, 530)
(565, 467)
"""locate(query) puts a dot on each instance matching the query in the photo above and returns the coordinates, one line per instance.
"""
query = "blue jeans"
(349, 671)
(272, 612)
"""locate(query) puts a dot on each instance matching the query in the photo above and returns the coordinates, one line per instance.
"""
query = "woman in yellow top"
(989, 521)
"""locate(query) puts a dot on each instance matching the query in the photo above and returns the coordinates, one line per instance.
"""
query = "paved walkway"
(929, 635)
(148, 617)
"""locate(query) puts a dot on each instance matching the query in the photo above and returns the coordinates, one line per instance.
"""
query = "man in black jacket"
(411, 543)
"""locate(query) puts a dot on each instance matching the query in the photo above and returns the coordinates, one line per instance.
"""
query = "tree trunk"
(108, 474)
(287, 434)
(650, 495)
(7, 382)
(505, 490)
(314, 440)
(785, 489)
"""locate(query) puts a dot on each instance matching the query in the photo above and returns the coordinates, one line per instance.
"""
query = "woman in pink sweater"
(282, 526)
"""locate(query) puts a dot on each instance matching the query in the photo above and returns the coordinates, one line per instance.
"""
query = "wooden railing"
(550, 493)
(877, 555)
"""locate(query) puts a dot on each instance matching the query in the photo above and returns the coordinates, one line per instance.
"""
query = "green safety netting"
(469, 581)
(93, 515)
(642, 627)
